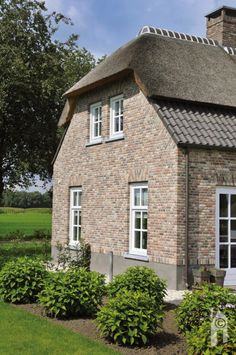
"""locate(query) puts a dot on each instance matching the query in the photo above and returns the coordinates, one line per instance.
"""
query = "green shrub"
(139, 278)
(22, 280)
(130, 318)
(197, 306)
(72, 293)
(199, 340)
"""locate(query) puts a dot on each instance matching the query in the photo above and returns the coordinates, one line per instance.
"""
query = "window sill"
(73, 246)
(136, 257)
(95, 142)
(114, 138)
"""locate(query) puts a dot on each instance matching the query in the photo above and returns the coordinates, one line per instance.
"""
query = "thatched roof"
(168, 68)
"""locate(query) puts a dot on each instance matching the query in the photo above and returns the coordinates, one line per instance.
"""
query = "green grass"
(13, 250)
(26, 221)
(25, 334)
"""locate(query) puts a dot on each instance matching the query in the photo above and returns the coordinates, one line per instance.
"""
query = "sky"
(105, 25)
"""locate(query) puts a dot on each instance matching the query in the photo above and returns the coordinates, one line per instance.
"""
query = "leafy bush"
(139, 278)
(199, 340)
(21, 236)
(73, 293)
(130, 318)
(197, 306)
(22, 280)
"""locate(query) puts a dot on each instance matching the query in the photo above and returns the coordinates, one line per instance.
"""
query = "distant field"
(25, 220)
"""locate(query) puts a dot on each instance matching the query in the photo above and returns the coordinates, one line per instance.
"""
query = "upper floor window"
(139, 218)
(116, 116)
(75, 215)
(95, 121)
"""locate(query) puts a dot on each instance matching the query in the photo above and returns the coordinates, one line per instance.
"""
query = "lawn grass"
(26, 334)
(12, 250)
(26, 221)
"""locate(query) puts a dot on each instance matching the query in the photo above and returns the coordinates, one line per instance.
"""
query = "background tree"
(35, 70)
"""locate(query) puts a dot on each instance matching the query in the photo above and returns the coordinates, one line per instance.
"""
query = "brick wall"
(104, 171)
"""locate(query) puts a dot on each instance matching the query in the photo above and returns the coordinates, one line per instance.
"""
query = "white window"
(139, 219)
(96, 122)
(75, 215)
(116, 116)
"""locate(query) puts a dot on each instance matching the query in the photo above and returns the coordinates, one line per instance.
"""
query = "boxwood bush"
(199, 340)
(139, 278)
(72, 293)
(22, 280)
(130, 318)
(197, 306)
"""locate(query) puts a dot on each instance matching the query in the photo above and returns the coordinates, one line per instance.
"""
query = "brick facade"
(105, 171)
(147, 153)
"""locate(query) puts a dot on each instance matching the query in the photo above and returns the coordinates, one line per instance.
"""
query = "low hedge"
(22, 280)
(73, 293)
(130, 318)
(197, 306)
(139, 278)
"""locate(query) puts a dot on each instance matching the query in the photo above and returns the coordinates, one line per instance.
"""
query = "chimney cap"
(219, 9)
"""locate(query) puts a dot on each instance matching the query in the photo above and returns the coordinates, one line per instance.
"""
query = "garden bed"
(168, 341)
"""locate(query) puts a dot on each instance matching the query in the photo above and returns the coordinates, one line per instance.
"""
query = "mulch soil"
(168, 341)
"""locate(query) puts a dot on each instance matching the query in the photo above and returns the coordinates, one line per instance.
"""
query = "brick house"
(146, 170)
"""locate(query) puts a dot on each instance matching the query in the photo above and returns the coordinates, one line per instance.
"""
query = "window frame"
(75, 208)
(113, 133)
(133, 209)
(93, 107)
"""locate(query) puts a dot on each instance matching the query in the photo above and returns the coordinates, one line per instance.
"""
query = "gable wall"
(104, 171)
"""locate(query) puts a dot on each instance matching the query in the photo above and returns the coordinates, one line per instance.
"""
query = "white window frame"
(93, 107)
(133, 209)
(119, 133)
(75, 208)
(224, 191)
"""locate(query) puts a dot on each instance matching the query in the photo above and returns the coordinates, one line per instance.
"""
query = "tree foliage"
(35, 70)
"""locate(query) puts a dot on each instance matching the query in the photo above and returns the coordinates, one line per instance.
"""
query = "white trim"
(119, 133)
(133, 208)
(74, 208)
(93, 107)
(230, 278)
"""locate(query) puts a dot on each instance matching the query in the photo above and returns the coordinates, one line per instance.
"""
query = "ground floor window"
(75, 215)
(226, 228)
(138, 218)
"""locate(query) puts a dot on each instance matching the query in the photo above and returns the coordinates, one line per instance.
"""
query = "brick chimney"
(221, 26)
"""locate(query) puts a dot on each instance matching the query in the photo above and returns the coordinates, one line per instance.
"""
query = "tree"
(35, 70)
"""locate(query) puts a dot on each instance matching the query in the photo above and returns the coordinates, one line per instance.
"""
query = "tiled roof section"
(196, 125)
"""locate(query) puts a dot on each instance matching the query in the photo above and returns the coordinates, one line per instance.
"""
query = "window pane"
(76, 219)
(121, 107)
(144, 240)
(233, 256)
(223, 256)
(223, 231)
(137, 197)
(137, 239)
(233, 205)
(96, 133)
(79, 233)
(116, 124)
(144, 197)
(99, 128)
(80, 218)
(233, 231)
(117, 105)
(75, 231)
(75, 198)
(79, 197)
(145, 220)
(224, 205)
(121, 123)
(137, 220)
